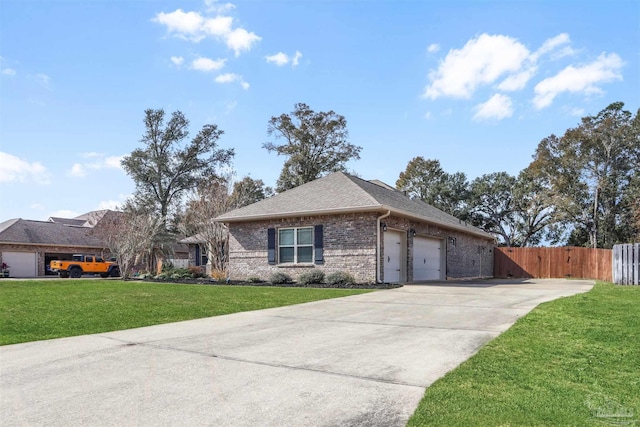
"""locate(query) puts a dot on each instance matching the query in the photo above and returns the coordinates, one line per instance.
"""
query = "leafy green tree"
(167, 167)
(248, 191)
(315, 144)
(491, 205)
(427, 181)
(593, 170)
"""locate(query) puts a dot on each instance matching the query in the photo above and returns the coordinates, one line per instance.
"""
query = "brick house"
(367, 228)
(28, 246)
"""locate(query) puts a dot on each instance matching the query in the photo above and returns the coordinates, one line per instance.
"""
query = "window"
(295, 245)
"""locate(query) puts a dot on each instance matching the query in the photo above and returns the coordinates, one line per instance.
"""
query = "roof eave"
(474, 231)
(316, 212)
(376, 208)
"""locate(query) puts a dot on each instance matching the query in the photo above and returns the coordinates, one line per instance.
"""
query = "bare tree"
(210, 200)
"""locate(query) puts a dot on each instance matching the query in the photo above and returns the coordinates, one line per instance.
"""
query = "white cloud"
(518, 81)
(279, 59)
(296, 59)
(231, 78)
(214, 6)
(433, 48)
(427, 115)
(219, 26)
(113, 162)
(187, 25)
(482, 60)
(551, 44)
(497, 107)
(206, 64)
(583, 79)
(77, 170)
(194, 26)
(241, 39)
(177, 60)
(14, 169)
(488, 60)
(8, 71)
(99, 161)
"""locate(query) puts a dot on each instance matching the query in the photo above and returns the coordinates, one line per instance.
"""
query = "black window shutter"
(271, 245)
(197, 254)
(318, 245)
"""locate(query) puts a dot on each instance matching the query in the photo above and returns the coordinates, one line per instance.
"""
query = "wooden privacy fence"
(626, 264)
(545, 263)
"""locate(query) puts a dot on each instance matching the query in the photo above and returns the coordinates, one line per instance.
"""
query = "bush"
(280, 278)
(340, 278)
(255, 280)
(313, 276)
(196, 272)
(218, 275)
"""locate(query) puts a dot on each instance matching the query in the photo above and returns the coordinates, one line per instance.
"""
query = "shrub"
(196, 272)
(255, 280)
(279, 278)
(313, 276)
(340, 278)
(219, 275)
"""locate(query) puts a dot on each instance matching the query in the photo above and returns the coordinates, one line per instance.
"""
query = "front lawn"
(570, 362)
(44, 309)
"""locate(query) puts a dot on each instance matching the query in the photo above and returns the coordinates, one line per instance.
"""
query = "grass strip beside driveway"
(571, 362)
(44, 309)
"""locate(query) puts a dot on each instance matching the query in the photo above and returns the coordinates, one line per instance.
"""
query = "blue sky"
(474, 84)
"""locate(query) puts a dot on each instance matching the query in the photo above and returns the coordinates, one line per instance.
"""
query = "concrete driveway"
(363, 360)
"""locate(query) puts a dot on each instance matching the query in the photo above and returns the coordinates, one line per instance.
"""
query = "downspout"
(378, 262)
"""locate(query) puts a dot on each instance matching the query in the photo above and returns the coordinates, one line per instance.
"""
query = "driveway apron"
(362, 360)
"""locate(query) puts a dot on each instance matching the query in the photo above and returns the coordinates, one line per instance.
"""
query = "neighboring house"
(28, 246)
(367, 228)
(197, 250)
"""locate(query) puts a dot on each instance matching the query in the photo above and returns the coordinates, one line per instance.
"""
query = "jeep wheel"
(75, 273)
(115, 272)
(103, 275)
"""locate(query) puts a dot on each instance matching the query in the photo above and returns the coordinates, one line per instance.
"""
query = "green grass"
(44, 309)
(557, 366)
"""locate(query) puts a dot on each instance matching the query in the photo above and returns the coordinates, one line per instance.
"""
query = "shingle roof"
(339, 193)
(68, 221)
(46, 233)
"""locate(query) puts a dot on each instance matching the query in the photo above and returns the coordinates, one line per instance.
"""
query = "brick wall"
(350, 245)
(467, 256)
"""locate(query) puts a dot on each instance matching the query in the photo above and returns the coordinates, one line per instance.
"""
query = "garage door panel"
(427, 258)
(21, 264)
(392, 256)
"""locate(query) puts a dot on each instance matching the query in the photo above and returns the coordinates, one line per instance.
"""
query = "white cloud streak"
(15, 169)
(280, 59)
(232, 78)
(193, 26)
(433, 48)
(497, 107)
(582, 79)
(177, 60)
(207, 65)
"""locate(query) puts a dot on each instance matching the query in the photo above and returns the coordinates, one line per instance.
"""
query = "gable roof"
(24, 231)
(343, 193)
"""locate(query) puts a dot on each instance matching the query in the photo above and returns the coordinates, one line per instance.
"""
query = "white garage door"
(21, 264)
(427, 258)
(392, 256)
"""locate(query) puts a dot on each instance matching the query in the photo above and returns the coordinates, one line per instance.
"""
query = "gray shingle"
(46, 233)
(340, 192)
